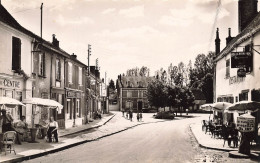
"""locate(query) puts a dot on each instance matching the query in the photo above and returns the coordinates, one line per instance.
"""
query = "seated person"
(52, 129)
(21, 128)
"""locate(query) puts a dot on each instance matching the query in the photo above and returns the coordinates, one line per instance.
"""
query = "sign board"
(245, 124)
(241, 59)
(104, 90)
(72, 94)
(241, 72)
(10, 83)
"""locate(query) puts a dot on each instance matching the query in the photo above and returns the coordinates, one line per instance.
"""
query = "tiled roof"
(248, 32)
(198, 94)
(136, 81)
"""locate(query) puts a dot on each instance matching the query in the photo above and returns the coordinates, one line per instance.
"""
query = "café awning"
(7, 101)
(43, 102)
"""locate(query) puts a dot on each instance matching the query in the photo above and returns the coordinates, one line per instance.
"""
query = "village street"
(161, 141)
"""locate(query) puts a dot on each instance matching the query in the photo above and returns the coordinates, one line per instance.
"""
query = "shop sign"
(241, 72)
(10, 83)
(245, 124)
(104, 90)
(235, 79)
(239, 59)
(72, 94)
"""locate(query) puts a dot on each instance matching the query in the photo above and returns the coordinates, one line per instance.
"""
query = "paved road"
(168, 141)
(157, 142)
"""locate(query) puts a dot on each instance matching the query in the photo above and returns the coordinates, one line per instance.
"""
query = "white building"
(242, 53)
(15, 61)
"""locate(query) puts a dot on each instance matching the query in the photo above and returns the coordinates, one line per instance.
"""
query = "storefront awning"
(10, 101)
(43, 102)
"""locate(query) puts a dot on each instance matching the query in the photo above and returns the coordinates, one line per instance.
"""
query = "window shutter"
(43, 62)
(16, 53)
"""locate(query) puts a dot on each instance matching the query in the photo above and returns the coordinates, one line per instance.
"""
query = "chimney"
(247, 10)
(229, 38)
(74, 56)
(55, 42)
(217, 43)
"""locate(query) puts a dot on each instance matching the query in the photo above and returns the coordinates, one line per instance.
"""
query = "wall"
(224, 86)
(6, 34)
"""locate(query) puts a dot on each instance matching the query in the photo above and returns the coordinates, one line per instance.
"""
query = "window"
(58, 70)
(129, 94)
(135, 94)
(16, 53)
(228, 68)
(70, 72)
(42, 64)
(243, 96)
(80, 76)
(124, 93)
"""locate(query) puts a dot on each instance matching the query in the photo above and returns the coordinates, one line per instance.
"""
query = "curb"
(87, 129)
(24, 158)
(206, 147)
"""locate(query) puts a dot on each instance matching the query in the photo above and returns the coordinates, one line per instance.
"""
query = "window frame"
(41, 70)
(80, 76)
(227, 68)
(58, 69)
(70, 67)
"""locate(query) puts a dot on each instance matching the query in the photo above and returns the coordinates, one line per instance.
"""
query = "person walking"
(123, 112)
(131, 115)
(137, 116)
(140, 116)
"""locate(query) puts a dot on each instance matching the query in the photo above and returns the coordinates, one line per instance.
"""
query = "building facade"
(15, 62)
(132, 92)
(33, 67)
(75, 92)
(237, 66)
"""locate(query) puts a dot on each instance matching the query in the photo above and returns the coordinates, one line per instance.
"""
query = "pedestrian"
(140, 116)
(137, 116)
(131, 115)
(123, 112)
(52, 129)
(126, 115)
(187, 111)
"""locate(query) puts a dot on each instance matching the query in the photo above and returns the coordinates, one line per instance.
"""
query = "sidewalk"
(31, 150)
(206, 141)
(117, 123)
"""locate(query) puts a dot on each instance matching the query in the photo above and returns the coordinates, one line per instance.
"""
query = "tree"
(186, 98)
(144, 71)
(111, 84)
(156, 94)
(172, 98)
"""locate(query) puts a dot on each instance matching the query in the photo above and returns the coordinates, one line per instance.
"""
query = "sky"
(130, 33)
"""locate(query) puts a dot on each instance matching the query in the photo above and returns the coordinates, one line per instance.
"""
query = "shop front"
(14, 87)
(58, 95)
(73, 112)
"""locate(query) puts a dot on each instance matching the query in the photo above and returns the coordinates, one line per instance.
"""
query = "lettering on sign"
(235, 79)
(245, 124)
(10, 83)
(72, 94)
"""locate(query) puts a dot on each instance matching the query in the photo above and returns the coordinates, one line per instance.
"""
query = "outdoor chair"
(217, 132)
(9, 140)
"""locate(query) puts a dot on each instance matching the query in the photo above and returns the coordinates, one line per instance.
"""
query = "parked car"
(165, 115)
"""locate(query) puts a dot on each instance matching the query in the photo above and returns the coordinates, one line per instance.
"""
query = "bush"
(165, 115)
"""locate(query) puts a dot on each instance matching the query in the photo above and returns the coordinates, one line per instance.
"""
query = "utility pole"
(41, 20)
(89, 54)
